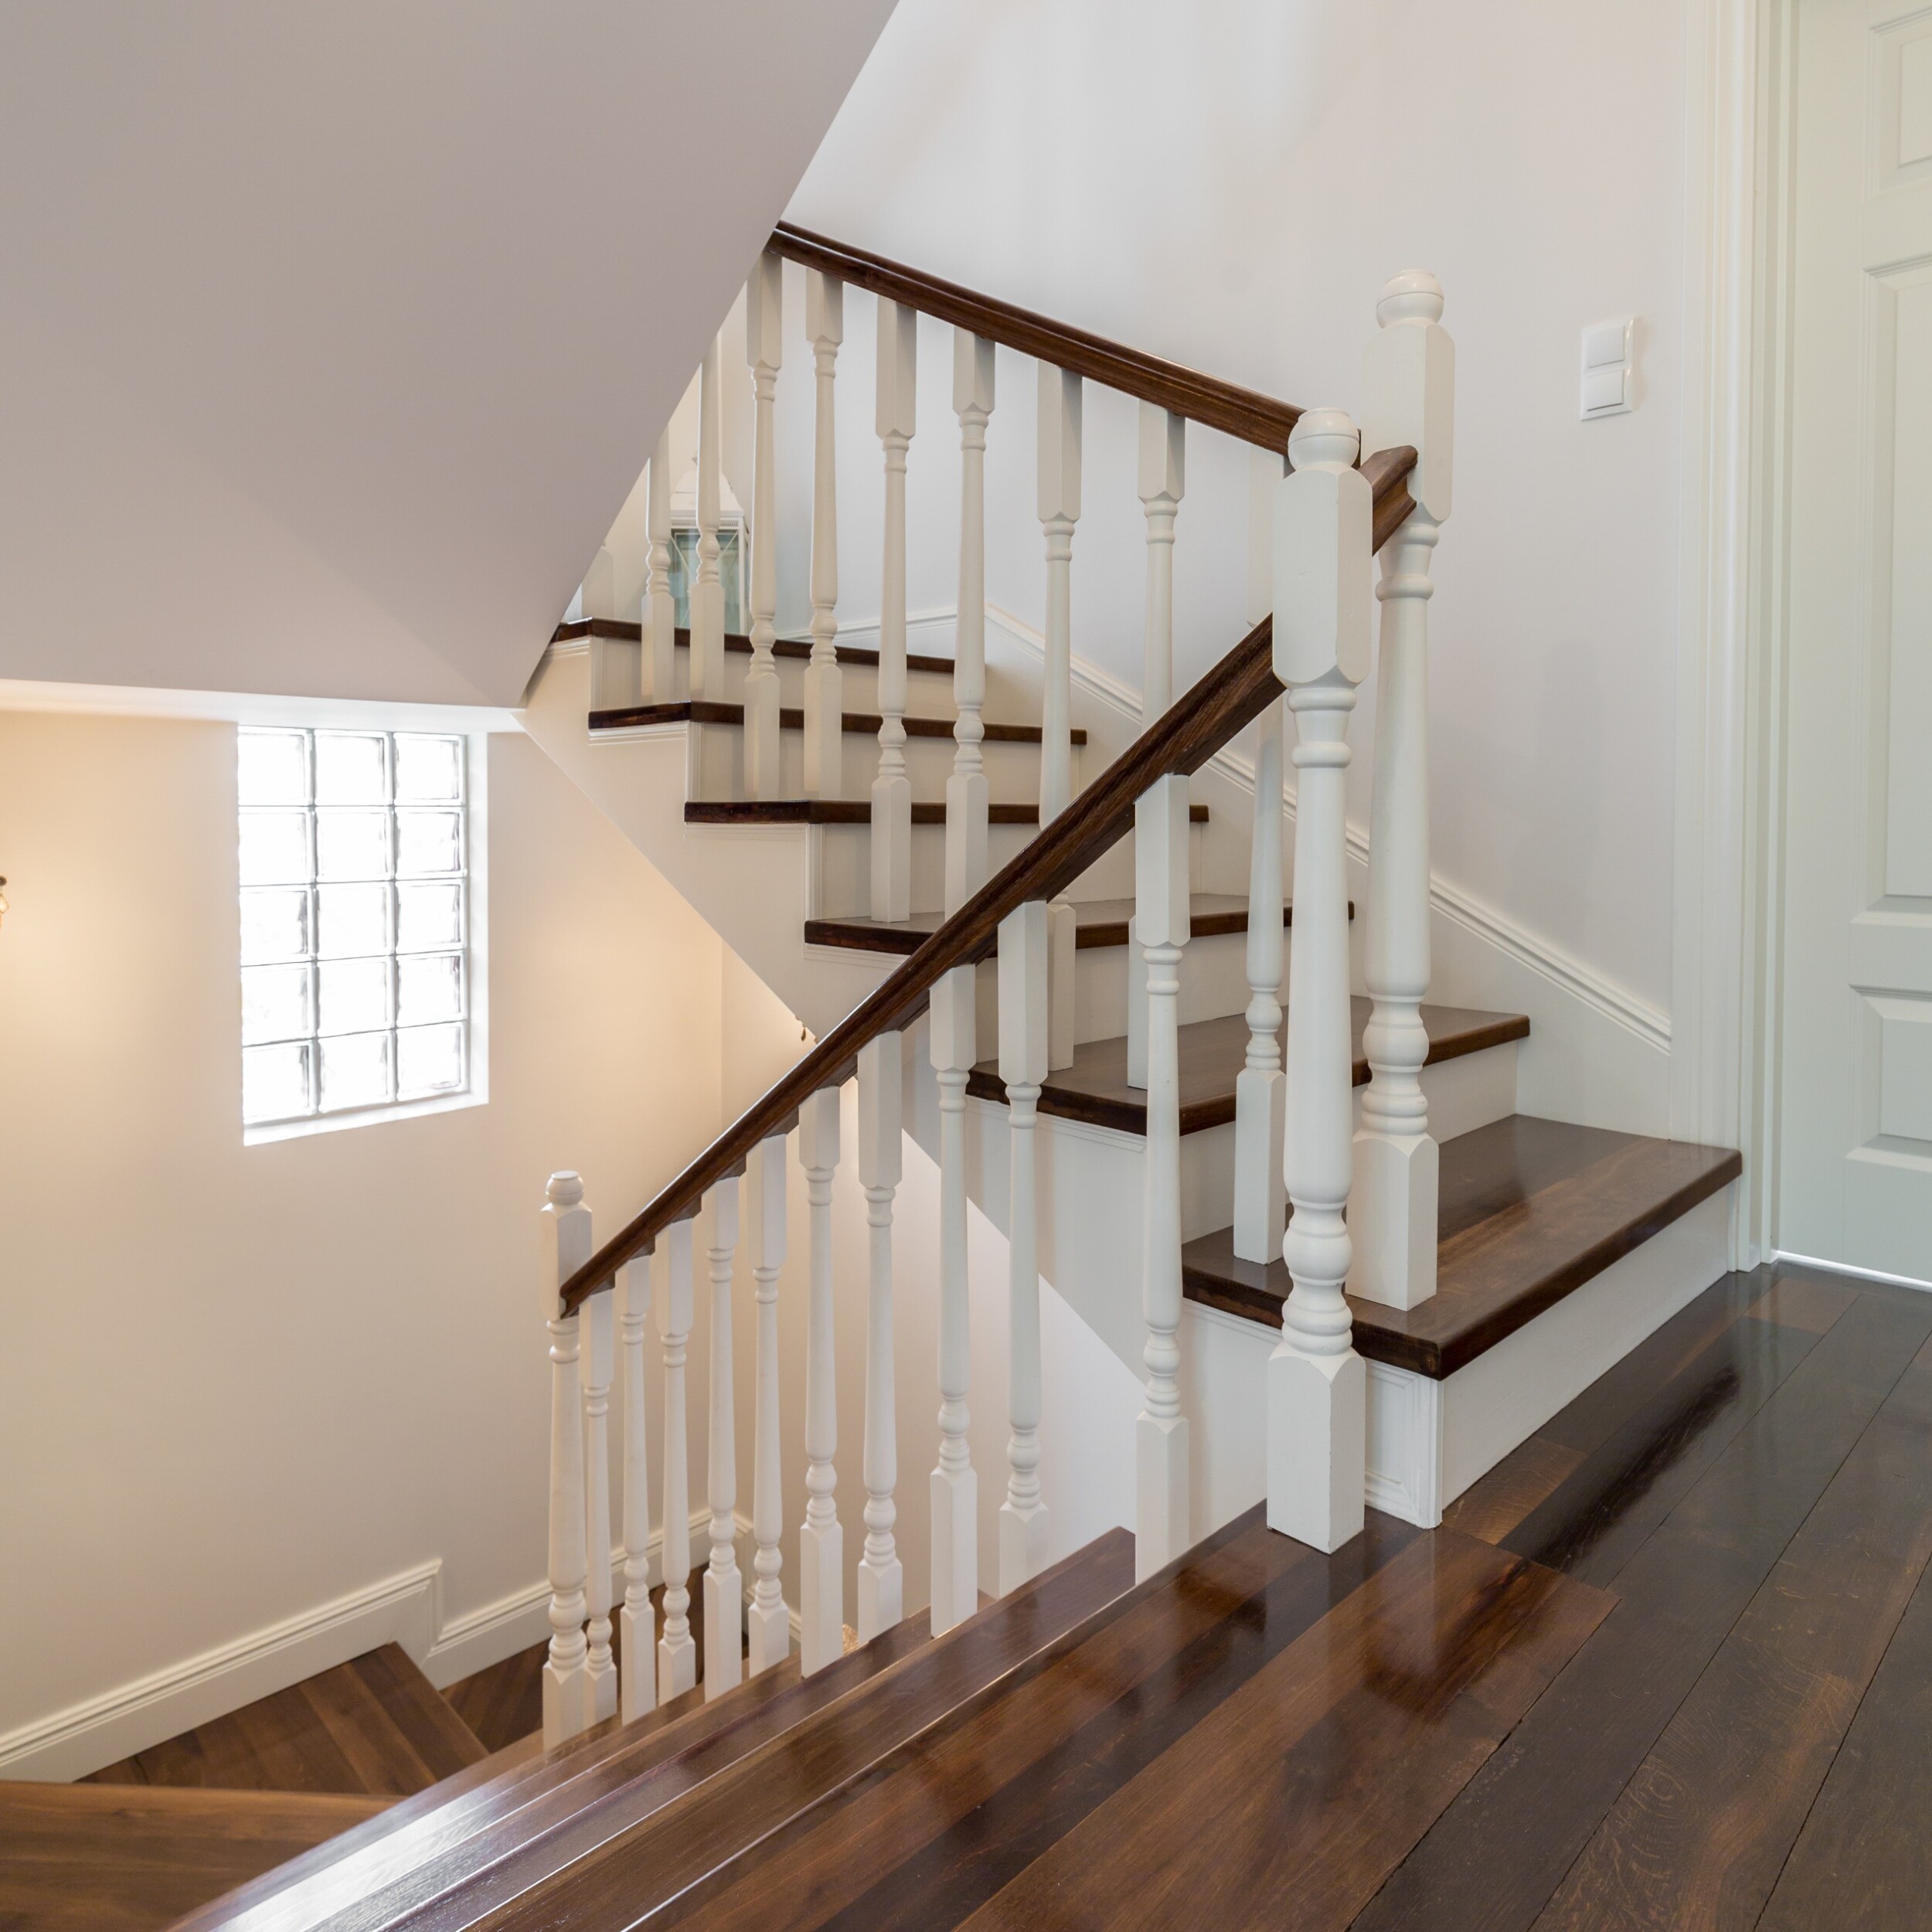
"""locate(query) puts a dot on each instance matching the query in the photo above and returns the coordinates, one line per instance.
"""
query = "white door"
(1855, 1173)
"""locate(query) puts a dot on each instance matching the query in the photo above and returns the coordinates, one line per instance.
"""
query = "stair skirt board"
(1429, 1441)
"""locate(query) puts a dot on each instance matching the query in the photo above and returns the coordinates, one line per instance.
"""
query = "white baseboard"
(1844, 1267)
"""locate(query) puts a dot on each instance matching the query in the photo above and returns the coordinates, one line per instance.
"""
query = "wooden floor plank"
(1802, 1304)
(441, 1743)
(1496, 1856)
(1490, 1508)
(1698, 1836)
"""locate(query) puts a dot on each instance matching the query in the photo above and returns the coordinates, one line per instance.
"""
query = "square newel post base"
(822, 1597)
(955, 1504)
(1022, 1546)
(769, 1632)
(882, 1596)
(1318, 1446)
(723, 1632)
(1391, 1219)
(1161, 1514)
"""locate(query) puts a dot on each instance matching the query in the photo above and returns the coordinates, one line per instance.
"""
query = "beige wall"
(237, 1383)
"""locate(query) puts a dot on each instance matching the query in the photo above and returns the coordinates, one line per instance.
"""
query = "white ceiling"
(333, 335)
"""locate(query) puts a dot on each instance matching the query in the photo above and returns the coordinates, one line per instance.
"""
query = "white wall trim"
(1844, 1267)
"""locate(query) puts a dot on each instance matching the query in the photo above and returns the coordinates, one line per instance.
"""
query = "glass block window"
(355, 965)
(685, 564)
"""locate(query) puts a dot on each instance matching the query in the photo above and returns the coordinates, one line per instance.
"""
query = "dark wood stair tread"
(1097, 922)
(1212, 1052)
(796, 648)
(850, 812)
(1529, 1210)
(792, 718)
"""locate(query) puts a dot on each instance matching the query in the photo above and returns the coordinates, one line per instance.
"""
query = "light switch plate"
(1606, 368)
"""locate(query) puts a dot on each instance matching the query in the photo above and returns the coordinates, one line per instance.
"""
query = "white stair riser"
(928, 693)
(1013, 769)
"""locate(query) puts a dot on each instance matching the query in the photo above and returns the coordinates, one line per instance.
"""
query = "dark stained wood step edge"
(799, 649)
(1097, 923)
(792, 718)
(1497, 1273)
(850, 811)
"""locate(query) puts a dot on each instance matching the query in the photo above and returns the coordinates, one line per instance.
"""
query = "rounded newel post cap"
(564, 1189)
(1414, 295)
(1323, 439)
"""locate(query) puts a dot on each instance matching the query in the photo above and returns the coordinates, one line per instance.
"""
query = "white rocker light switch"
(1607, 369)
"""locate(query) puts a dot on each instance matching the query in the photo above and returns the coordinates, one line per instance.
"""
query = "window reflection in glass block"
(429, 771)
(352, 845)
(428, 842)
(427, 916)
(274, 847)
(275, 1082)
(355, 1071)
(355, 995)
(275, 1003)
(271, 768)
(274, 924)
(429, 1059)
(352, 919)
(429, 986)
(351, 768)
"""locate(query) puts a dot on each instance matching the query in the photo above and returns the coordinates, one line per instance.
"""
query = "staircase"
(1324, 1273)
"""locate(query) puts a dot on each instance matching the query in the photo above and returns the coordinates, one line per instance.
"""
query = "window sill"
(358, 1116)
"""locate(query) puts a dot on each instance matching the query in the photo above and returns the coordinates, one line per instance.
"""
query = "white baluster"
(967, 794)
(881, 1593)
(769, 1622)
(764, 349)
(724, 1596)
(1161, 910)
(1163, 481)
(566, 1246)
(1409, 394)
(1317, 1386)
(637, 1624)
(824, 690)
(955, 1491)
(1060, 511)
(594, 1366)
(677, 1652)
(660, 609)
(821, 1582)
(707, 595)
(1023, 1066)
(892, 791)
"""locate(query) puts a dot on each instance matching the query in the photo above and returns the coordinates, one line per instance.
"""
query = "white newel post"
(769, 1622)
(1023, 979)
(967, 794)
(1060, 511)
(1162, 911)
(1408, 396)
(892, 791)
(636, 1622)
(707, 594)
(723, 1588)
(658, 613)
(566, 1246)
(764, 350)
(821, 1584)
(677, 1652)
(1163, 481)
(595, 1365)
(1260, 1204)
(1317, 1424)
(881, 1592)
(955, 1492)
(824, 690)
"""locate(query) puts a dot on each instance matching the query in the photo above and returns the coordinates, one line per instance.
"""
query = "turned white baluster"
(1060, 511)
(967, 794)
(677, 1652)
(821, 1591)
(892, 791)
(824, 690)
(881, 1591)
(1162, 911)
(955, 1491)
(723, 1588)
(764, 350)
(1260, 1205)
(1408, 391)
(636, 1620)
(594, 1366)
(707, 594)
(1317, 1386)
(659, 615)
(770, 1623)
(1023, 1066)
(566, 1246)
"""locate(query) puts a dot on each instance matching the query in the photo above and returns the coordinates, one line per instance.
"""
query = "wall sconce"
(3, 903)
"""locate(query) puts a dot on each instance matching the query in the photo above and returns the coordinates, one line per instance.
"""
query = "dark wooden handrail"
(1237, 412)
(1182, 740)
